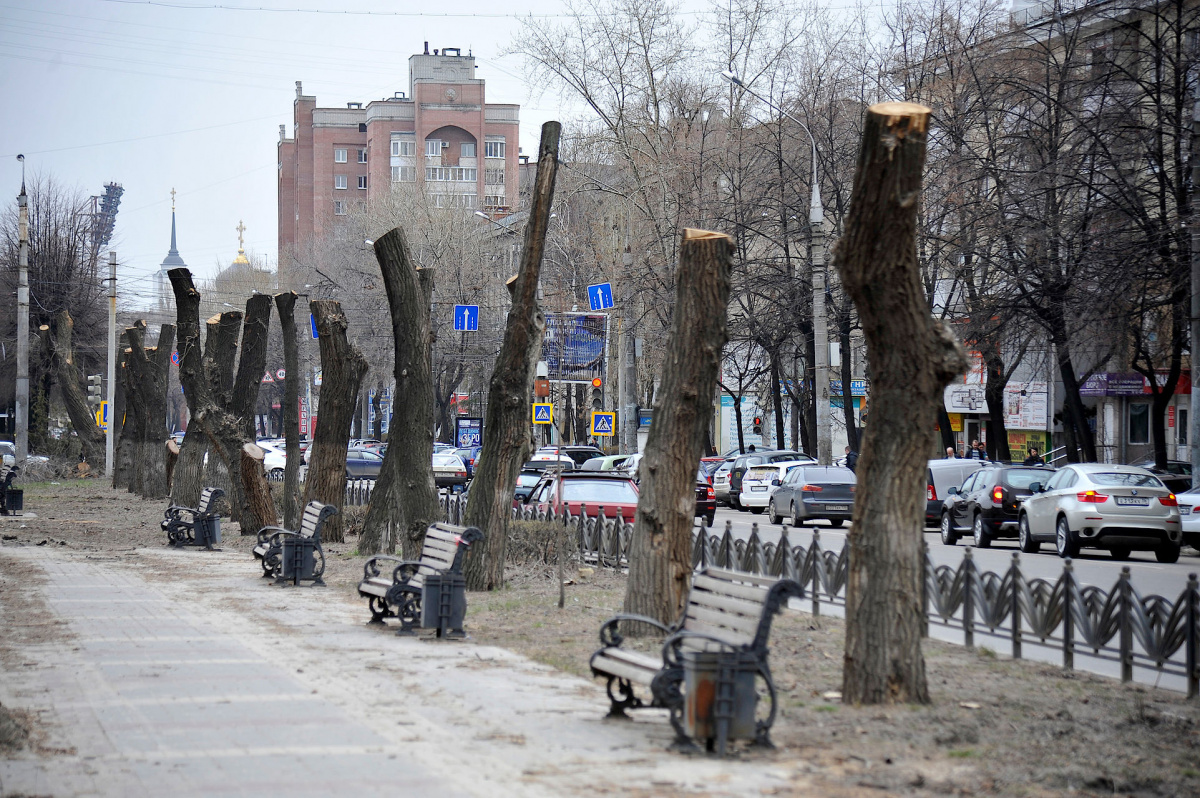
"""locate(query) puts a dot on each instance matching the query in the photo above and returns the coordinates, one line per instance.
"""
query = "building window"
(339, 155)
(468, 149)
(454, 201)
(493, 201)
(362, 156)
(1181, 424)
(362, 127)
(451, 174)
(1139, 422)
(404, 174)
(339, 181)
(339, 208)
(433, 148)
(493, 177)
(404, 147)
(362, 182)
(493, 149)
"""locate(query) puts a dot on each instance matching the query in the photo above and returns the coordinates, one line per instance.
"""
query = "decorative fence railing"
(1119, 625)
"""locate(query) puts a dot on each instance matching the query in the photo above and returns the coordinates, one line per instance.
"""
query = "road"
(1091, 567)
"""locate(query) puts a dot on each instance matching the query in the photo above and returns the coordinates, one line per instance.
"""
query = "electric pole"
(112, 364)
(628, 372)
(22, 396)
(820, 337)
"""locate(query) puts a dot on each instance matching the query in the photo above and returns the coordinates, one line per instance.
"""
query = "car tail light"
(812, 488)
(1168, 501)
(930, 493)
(1092, 497)
(998, 495)
(460, 473)
(711, 493)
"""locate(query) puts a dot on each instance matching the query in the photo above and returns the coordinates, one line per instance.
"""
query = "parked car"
(709, 466)
(363, 464)
(746, 461)
(616, 493)
(9, 449)
(578, 453)
(1177, 476)
(706, 502)
(449, 470)
(760, 481)
(1189, 517)
(469, 455)
(809, 492)
(985, 506)
(720, 481)
(545, 459)
(525, 482)
(1115, 507)
(941, 476)
(275, 459)
(606, 463)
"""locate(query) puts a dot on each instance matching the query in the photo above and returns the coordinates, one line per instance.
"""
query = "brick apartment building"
(442, 134)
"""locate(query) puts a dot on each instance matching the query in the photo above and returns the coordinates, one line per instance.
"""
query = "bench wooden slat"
(439, 561)
(434, 547)
(748, 592)
(440, 533)
(749, 609)
(736, 624)
(726, 575)
(623, 670)
(720, 632)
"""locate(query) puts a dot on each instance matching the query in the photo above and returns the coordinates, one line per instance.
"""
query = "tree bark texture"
(342, 370)
(256, 491)
(123, 450)
(660, 553)
(285, 304)
(993, 393)
(405, 496)
(150, 370)
(220, 355)
(506, 439)
(239, 409)
(70, 382)
(912, 359)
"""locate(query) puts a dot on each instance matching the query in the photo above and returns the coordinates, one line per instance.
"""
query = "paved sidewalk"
(181, 673)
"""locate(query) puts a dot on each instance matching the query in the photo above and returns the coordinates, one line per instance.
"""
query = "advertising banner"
(1025, 405)
(575, 346)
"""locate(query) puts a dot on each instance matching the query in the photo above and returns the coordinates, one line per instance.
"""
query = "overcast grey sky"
(191, 96)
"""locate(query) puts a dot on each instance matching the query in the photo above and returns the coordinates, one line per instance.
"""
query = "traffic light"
(95, 392)
(758, 425)
(597, 393)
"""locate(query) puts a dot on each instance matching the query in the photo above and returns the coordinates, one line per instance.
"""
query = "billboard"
(575, 346)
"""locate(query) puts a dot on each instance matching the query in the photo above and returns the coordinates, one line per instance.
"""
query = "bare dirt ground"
(995, 726)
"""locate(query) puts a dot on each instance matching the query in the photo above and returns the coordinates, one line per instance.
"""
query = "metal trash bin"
(720, 696)
(444, 604)
(297, 559)
(207, 530)
(14, 500)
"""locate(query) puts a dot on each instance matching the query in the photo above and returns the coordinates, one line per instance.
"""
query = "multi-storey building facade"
(442, 135)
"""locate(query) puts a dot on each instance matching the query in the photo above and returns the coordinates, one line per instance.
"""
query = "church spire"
(172, 261)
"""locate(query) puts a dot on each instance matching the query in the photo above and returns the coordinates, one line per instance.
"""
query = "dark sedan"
(706, 499)
(809, 492)
(986, 505)
(525, 482)
(363, 464)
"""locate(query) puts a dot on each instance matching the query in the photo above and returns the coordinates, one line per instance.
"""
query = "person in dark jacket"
(1034, 458)
(851, 458)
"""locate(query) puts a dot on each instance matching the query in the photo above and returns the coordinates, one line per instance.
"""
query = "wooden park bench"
(294, 556)
(198, 526)
(705, 675)
(429, 592)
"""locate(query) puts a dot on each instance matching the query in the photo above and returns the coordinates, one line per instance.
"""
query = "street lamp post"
(816, 218)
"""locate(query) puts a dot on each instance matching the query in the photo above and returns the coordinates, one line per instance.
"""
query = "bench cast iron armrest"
(175, 510)
(268, 532)
(610, 637)
(405, 571)
(370, 569)
(670, 649)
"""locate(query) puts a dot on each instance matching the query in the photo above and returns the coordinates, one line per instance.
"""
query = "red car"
(616, 493)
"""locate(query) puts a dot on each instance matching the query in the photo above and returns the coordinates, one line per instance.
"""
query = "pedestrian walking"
(851, 458)
(977, 451)
(1034, 458)
(950, 455)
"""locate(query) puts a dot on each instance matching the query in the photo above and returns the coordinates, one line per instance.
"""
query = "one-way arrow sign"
(466, 318)
(600, 296)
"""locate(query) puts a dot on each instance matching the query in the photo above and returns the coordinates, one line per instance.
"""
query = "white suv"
(761, 481)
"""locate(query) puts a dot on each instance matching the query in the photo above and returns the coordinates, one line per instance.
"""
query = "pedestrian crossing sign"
(603, 423)
(543, 413)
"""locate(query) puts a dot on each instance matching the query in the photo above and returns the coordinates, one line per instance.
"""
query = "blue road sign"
(466, 318)
(312, 322)
(603, 423)
(543, 413)
(600, 296)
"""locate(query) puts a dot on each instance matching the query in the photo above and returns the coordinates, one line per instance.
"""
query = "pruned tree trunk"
(405, 496)
(123, 448)
(993, 393)
(660, 553)
(252, 362)
(912, 357)
(256, 491)
(285, 304)
(506, 423)
(342, 370)
(220, 355)
(150, 387)
(70, 382)
(135, 403)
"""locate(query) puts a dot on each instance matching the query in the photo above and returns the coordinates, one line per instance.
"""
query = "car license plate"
(1185, 510)
(758, 487)
(1132, 501)
(833, 508)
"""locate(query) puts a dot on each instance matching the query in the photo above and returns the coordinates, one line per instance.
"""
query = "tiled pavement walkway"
(220, 685)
